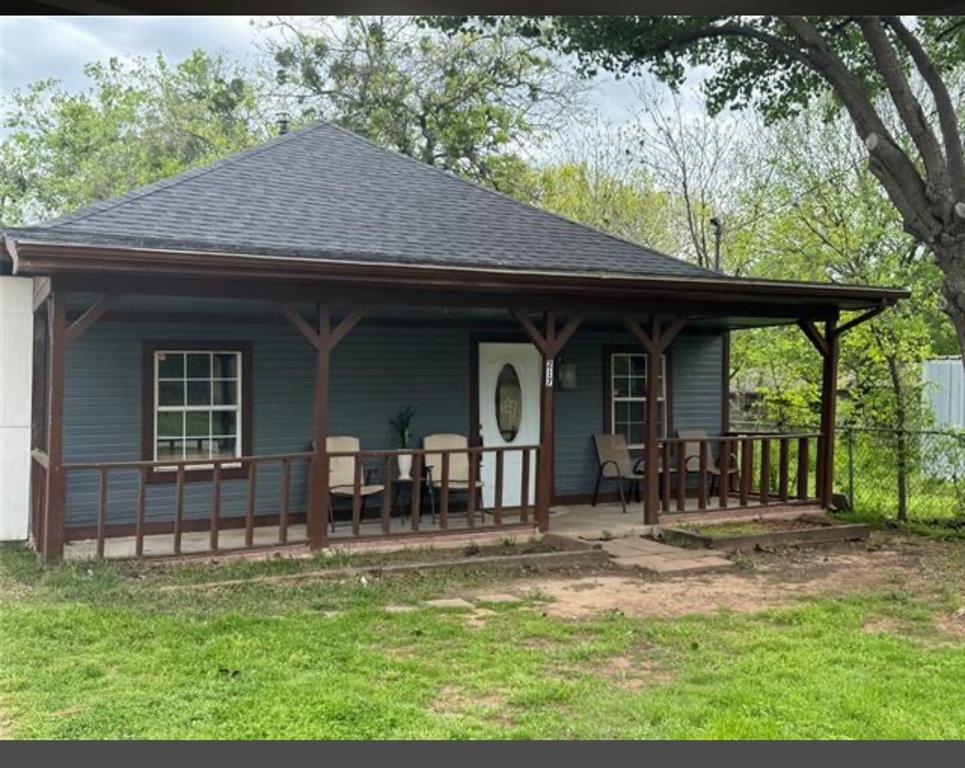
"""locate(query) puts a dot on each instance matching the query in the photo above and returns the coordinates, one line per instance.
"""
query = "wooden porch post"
(655, 343)
(54, 514)
(651, 451)
(324, 339)
(544, 472)
(550, 343)
(318, 496)
(829, 400)
(827, 346)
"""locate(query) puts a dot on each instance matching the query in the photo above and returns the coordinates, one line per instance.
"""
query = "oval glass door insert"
(509, 403)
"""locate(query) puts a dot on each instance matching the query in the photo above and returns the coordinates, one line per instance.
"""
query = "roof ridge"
(139, 193)
(511, 199)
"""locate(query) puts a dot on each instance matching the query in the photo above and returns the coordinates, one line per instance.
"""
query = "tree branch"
(947, 117)
(908, 107)
(889, 163)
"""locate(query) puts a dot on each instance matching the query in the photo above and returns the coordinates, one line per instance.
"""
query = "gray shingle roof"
(322, 192)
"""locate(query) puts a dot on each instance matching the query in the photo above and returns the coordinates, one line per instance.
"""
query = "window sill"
(196, 473)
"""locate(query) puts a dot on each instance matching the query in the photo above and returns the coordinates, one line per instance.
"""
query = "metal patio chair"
(691, 448)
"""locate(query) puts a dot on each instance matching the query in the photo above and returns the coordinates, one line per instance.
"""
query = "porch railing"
(179, 475)
(134, 490)
(39, 465)
(738, 470)
(439, 479)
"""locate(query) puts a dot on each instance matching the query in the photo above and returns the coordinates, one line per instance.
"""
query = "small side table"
(425, 486)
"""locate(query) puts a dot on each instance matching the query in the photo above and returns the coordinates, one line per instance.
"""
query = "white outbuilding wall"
(945, 392)
(16, 342)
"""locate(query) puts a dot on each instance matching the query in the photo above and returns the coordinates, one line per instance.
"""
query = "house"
(199, 340)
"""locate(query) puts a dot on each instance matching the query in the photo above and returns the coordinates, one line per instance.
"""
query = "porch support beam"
(829, 401)
(862, 318)
(346, 324)
(53, 518)
(547, 430)
(41, 290)
(324, 338)
(318, 494)
(306, 330)
(550, 342)
(828, 346)
(655, 341)
(90, 316)
(814, 336)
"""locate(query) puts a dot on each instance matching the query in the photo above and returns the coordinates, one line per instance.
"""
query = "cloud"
(36, 47)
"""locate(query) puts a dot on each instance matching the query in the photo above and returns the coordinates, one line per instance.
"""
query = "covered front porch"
(106, 482)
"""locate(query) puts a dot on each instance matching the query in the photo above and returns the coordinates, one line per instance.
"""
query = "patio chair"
(341, 472)
(458, 462)
(613, 457)
(691, 448)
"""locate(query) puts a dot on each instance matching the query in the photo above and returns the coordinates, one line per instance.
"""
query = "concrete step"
(636, 552)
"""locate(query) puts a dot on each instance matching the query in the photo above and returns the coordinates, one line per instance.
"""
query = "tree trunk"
(951, 259)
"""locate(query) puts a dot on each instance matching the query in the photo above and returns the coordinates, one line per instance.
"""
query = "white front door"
(509, 395)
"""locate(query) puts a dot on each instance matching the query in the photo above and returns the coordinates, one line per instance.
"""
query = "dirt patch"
(885, 625)
(540, 643)
(778, 578)
(479, 618)
(490, 706)
(633, 674)
(952, 623)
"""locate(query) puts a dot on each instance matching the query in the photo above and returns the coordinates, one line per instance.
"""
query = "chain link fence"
(890, 473)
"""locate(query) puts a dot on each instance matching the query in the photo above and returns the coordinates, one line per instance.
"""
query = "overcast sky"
(35, 47)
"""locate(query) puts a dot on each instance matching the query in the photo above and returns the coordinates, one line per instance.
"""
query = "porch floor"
(578, 521)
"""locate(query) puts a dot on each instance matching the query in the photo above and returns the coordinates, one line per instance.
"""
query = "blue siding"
(695, 362)
(375, 370)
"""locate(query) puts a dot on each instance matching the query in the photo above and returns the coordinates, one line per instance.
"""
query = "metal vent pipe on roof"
(282, 120)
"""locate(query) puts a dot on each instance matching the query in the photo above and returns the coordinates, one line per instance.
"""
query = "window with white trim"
(628, 396)
(197, 404)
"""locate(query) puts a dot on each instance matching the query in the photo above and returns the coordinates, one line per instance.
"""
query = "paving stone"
(399, 608)
(449, 602)
(635, 545)
(681, 561)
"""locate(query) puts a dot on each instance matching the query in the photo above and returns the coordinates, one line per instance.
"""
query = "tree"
(780, 65)
(593, 179)
(136, 124)
(468, 103)
(711, 171)
(830, 221)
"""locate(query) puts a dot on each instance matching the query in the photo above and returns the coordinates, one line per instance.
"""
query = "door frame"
(495, 337)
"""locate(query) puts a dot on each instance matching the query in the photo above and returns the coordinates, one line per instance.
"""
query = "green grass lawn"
(99, 651)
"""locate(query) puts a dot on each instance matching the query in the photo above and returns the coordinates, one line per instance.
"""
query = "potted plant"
(402, 425)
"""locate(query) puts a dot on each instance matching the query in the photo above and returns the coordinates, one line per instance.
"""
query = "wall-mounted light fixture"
(566, 378)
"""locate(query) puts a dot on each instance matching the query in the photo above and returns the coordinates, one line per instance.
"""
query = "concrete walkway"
(649, 555)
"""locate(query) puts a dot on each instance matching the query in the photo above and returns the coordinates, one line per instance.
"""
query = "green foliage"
(135, 124)
(750, 59)
(827, 220)
(586, 192)
(402, 424)
(464, 102)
